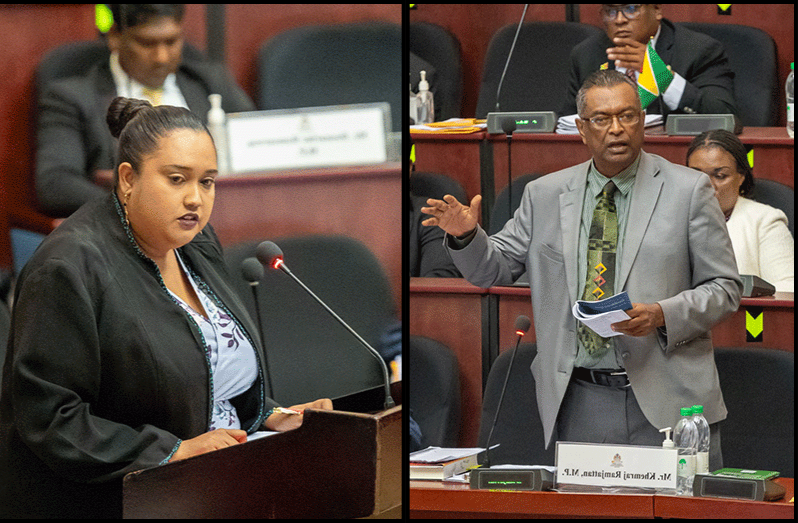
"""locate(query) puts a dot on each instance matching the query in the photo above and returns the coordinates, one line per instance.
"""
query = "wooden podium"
(338, 464)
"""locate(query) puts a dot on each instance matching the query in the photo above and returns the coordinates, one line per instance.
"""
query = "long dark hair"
(139, 126)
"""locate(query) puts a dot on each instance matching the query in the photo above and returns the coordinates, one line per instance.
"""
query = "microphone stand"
(254, 286)
(386, 382)
(520, 333)
(508, 126)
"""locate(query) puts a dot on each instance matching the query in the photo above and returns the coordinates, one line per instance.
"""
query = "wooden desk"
(479, 159)
(434, 499)
(778, 310)
(450, 310)
(774, 153)
(478, 323)
(364, 203)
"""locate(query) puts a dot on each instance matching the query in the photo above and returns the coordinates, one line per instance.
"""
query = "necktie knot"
(153, 95)
(609, 190)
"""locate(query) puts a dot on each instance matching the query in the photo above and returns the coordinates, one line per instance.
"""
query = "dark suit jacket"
(427, 257)
(106, 373)
(699, 59)
(73, 140)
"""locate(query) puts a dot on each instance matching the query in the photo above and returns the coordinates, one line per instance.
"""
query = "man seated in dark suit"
(74, 157)
(702, 82)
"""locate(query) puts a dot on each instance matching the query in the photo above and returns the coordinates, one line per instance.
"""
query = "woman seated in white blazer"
(761, 240)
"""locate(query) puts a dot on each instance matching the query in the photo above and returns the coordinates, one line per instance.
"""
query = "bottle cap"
(686, 411)
(698, 409)
(668, 443)
(423, 85)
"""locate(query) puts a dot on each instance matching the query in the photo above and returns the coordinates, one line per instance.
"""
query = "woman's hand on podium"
(282, 422)
(214, 440)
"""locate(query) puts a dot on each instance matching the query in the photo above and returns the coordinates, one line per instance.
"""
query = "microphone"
(522, 325)
(508, 126)
(510, 55)
(252, 271)
(269, 254)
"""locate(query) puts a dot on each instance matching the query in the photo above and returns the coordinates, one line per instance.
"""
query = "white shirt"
(130, 88)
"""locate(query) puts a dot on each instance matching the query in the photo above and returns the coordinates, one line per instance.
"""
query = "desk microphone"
(252, 271)
(522, 325)
(508, 126)
(270, 255)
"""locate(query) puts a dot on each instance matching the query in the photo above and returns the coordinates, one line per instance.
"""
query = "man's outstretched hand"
(452, 216)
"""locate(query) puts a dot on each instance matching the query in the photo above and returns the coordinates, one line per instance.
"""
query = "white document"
(600, 315)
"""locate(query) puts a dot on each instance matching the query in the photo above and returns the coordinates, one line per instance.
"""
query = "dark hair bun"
(121, 111)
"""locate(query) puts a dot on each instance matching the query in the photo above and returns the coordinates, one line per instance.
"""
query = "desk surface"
(480, 160)
(435, 499)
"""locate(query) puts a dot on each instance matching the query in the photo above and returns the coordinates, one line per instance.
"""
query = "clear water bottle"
(425, 106)
(702, 455)
(790, 96)
(685, 437)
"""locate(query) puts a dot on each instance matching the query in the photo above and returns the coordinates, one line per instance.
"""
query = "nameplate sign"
(615, 465)
(309, 137)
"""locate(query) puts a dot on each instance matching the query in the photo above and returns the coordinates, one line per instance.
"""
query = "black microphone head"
(252, 270)
(522, 325)
(269, 254)
(508, 126)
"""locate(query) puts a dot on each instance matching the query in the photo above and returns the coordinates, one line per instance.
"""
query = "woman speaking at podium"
(128, 348)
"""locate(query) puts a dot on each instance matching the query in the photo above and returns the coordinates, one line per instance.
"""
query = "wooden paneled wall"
(29, 31)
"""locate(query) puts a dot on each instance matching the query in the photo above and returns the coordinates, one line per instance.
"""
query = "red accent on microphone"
(520, 332)
(277, 262)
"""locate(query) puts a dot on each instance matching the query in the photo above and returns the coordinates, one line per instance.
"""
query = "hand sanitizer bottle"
(216, 125)
(426, 107)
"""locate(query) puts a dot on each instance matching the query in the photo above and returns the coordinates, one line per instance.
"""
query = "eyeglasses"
(604, 121)
(629, 11)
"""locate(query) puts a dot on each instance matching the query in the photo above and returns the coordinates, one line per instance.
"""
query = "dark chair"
(434, 185)
(776, 195)
(537, 77)
(434, 391)
(325, 65)
(5, 330)
(758, 388)
(500, 212)
(440, 48)
(519, 430)
(309, 354)
(752, 58)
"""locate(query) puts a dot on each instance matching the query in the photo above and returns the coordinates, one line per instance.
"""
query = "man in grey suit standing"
(664, 242)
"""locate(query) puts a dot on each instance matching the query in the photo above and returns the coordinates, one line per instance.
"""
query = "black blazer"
(73, 140)
(699, 59)
(105, 372)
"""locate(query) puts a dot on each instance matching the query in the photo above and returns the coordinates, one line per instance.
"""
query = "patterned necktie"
(601, 245)
(153, 95)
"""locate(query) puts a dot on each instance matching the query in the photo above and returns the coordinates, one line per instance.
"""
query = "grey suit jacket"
(73, 140)
(676, 252)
